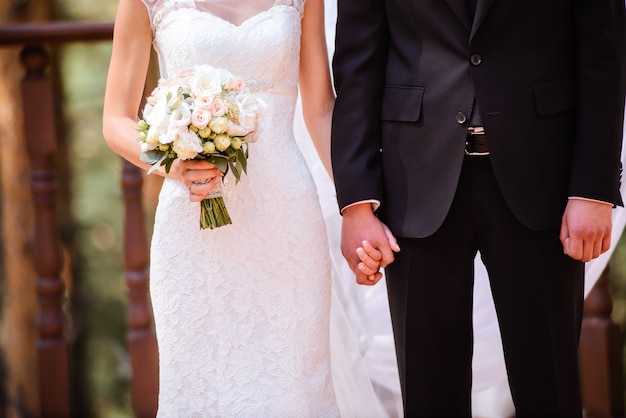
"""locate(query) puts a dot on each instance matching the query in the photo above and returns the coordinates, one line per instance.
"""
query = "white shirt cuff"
(589, 200)
(375, 204)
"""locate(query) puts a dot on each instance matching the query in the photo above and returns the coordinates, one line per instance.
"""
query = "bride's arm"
(316, 89)
(132, 40)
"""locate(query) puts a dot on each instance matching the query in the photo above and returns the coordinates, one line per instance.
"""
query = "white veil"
(362, 348)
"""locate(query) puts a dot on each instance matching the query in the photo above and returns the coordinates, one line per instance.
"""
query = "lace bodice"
(261, 46)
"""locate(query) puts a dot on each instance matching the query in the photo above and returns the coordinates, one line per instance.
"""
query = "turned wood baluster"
(39, 126)
(600, 355)
(141, 337)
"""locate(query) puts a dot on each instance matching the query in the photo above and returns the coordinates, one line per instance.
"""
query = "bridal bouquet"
(201, 113)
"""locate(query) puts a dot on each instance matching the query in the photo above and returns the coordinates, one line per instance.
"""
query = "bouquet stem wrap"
(213, 212)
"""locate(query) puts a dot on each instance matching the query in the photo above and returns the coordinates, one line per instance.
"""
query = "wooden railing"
(38, 99)
(600, 343)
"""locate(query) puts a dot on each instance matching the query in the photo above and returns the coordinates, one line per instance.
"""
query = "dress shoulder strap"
(297, 4)
(158, 8)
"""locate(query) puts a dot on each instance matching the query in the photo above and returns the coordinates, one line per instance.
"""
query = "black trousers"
(538, 295)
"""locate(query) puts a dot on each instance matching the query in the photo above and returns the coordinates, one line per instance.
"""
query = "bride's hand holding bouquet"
(203, 114)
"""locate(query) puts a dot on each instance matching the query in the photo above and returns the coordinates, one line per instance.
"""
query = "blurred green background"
(97, 207)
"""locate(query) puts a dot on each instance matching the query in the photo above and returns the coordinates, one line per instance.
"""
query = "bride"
(241, 311)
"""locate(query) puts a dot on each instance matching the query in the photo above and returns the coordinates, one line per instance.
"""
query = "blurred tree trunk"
(19, 306)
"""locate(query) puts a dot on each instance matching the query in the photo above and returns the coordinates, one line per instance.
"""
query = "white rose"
(187, 145)
(206, 83)
(168, 136)
(181, 116)
(147, 109)
(249, 109)
(236, 130)
(145, 146)
(158, 116)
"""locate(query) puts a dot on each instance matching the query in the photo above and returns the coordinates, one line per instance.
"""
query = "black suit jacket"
(549, 79)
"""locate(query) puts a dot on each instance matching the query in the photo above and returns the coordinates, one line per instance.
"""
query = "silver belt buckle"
(475, 130)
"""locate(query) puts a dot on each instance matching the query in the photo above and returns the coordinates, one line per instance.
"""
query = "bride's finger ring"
(203, 181)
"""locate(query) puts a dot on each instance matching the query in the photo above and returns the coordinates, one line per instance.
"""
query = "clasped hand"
(367, 244)
(200, 177)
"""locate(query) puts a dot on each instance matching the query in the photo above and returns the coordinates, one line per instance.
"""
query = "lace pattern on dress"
(157, 9)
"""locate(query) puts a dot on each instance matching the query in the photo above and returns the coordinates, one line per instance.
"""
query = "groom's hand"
(359, 225)
(586, 229)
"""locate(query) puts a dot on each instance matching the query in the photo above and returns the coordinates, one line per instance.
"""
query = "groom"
(480, 125)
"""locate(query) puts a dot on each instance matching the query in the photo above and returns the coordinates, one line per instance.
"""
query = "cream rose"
(187, 145)
(222, 142)
(209, 147)
(219, 124)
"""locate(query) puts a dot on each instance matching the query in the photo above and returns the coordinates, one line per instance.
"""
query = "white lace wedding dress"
(242, 311)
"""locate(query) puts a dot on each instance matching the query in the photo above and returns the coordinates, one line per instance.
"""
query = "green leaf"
(152, 156)
(242, 160)
(220, 163)
(168, 164)
(236, 171)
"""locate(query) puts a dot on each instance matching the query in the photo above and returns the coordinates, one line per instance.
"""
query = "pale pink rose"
(200, 118)
(204, 101)
(236, 84)
(187, 145)
(218, 107)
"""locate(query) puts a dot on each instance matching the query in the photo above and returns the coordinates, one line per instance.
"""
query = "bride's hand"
(199, 176)
(370, 257)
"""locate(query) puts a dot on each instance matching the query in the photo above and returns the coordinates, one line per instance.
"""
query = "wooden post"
(39, 127)
(600, 355)
(141, 337)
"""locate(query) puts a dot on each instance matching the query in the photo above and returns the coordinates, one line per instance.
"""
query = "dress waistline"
(262, 86)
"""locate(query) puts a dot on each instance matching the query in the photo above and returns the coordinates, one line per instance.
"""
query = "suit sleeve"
(601, 60)
(359, 63)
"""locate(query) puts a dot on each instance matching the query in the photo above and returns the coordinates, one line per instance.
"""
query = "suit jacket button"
(475, 59)
(461, 118)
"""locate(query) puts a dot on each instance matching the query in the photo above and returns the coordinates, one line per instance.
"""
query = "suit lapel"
(482, 8)
(460, 9)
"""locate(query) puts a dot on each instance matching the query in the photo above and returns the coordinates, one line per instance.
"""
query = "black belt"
(476, 142)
